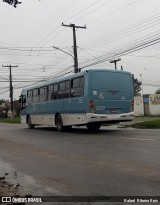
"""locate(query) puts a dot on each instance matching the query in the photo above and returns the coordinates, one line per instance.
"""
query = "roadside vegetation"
(148, 124)
(8, 120)
(152, 124)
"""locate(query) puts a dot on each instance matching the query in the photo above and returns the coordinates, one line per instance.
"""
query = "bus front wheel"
(93, 126)
(30, 125)
(59, 123)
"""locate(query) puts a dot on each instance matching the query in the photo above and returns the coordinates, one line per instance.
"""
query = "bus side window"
(43, 94)
(64, 89)
(67, 89)
(53, 89)
(50, 91)
(77, 87)
(82, 82)
(29, 96)
(36, 95)
(23, 103)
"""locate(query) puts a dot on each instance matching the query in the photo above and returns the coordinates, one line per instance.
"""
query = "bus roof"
(69, 76)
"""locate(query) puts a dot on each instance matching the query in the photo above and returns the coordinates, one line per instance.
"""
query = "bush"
(148, 124)
(8, 120)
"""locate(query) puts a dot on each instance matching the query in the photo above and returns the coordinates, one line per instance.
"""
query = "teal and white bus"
(92, 98)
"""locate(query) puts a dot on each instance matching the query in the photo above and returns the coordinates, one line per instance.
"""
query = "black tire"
(59, 123)
(30, 125)
(93, 126)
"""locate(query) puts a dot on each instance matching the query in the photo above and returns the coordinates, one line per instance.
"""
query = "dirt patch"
(8, 189)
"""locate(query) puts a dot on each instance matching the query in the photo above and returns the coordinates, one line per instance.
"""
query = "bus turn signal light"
(91, 104)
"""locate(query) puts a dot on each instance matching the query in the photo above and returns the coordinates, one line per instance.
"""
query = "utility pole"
(115, 62)
(76, 70)
(11, 87)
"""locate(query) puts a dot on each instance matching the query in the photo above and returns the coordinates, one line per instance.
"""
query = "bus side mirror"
(20, 100)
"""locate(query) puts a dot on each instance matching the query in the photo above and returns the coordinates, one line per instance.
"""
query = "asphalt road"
(113, 161)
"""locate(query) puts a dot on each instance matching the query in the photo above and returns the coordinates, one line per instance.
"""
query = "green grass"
(152, 124)
(8, 120)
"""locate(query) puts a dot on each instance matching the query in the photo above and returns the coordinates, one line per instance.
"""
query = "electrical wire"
(93, 10)
(124, 50)
(117, 10)
(81, 11)
(59, 25)
(132, 29)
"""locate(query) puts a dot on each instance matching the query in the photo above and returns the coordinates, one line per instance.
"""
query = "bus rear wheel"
(59, 123)
(30, 125)
(93, 126)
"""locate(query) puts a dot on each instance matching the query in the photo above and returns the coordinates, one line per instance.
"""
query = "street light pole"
(63, 51)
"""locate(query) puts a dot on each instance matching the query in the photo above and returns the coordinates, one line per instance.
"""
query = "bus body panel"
(41, 108)
(52, 107)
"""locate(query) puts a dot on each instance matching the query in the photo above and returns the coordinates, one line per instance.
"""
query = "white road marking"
(130, 138)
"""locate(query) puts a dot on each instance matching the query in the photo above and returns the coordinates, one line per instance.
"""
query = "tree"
(137, 85)
(4, 108)
(2, 101)
(12, 2)
(157, 91)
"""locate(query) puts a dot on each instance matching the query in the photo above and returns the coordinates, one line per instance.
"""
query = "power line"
(22, 81)
(117, 10)
(93, 10)
(121, 36)
(87, 14)
(93, 57)
(19, 49)
(130, 30)
(110, 14)
(152, 56)
(4, 91)
(64, 21)
(125, 50)
(82, 10)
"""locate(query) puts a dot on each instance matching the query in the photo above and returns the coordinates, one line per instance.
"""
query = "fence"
(147, 105)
